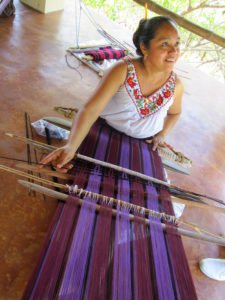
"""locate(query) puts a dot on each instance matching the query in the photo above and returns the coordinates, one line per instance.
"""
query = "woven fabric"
(7, 8)
(106, 53)
(105, 255)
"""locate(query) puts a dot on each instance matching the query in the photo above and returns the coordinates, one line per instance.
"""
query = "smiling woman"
(140, 97)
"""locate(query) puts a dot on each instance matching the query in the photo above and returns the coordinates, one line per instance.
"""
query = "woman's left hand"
(157, 140)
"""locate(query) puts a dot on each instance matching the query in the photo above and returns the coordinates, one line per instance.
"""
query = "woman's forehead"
(167, 31)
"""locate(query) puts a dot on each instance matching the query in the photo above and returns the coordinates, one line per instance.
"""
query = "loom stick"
(47, 171)
(129, 206)
(59, 121)
(174, 199)
(43, 145)
(100, 72)
(120, 169)
(63, 197)
(168, 157)
(20, 173)
(108, 199)
(30, 141)
(84, 47)
(95, 161)
(142, 210)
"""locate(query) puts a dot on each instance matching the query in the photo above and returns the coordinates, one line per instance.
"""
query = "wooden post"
(181, 21)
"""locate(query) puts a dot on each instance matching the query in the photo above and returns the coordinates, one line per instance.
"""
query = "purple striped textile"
(103, 255)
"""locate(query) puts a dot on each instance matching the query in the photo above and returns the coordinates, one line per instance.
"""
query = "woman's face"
(163, 51)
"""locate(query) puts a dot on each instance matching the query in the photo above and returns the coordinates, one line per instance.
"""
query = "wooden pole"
(181, 21)
(180, 231)
(62, 186)
(120, 169)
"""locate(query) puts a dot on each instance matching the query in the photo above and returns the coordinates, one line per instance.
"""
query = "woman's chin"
(169, 66)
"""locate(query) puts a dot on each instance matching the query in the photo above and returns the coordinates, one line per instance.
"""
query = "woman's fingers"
(148, 141)
(65, 168)
(155, 145)
(58, 158)
(49, 158)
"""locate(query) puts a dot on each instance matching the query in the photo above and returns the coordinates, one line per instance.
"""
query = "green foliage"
(129, 13)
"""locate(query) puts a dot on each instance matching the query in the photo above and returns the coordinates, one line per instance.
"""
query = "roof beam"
(181, 21)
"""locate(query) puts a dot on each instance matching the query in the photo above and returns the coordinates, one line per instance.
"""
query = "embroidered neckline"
(149, 105)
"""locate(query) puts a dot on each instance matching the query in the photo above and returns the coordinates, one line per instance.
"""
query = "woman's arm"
(172, 117)
(108, 86)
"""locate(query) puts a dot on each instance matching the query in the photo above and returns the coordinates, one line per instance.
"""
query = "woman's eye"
(165, 44)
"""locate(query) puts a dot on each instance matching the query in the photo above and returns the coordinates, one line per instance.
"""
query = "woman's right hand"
(59, 158)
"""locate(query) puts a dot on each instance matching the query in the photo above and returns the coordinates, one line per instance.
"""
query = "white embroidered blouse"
(129, 111)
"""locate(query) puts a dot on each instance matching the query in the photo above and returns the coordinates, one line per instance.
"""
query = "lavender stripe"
(162, 269)
(73, 280)
(122, 266)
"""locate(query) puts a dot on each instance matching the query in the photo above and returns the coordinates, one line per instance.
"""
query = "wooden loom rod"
(117, 202)
(95, 161)
(46, 170)
(118, 168)
(181, 21)
(63, 197)
(26, 140)
(173, 156)
(173, 199)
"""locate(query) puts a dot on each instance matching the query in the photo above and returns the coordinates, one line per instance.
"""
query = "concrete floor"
(34, 78)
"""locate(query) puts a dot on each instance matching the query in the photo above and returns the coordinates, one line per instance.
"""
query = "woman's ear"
(143, 48)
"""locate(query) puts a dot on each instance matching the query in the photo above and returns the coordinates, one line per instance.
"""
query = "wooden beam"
(181, 21)
(180, 231)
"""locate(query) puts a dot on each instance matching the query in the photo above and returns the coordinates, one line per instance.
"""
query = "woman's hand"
(59, 158)
(157, 140)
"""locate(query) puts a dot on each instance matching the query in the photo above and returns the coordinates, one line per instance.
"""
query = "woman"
(140, 97)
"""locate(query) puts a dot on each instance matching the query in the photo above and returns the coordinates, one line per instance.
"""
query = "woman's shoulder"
(118, 71)
(179, 87)
(179, 84)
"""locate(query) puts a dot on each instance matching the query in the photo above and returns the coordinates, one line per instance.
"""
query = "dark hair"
(147, 30)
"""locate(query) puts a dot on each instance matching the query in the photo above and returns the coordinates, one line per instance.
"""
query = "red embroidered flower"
(136, 95)
(159, 101)
(144, 111)
(167, 94)
(130, 82)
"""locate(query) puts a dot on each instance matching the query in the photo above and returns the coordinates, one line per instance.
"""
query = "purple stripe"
(96, 287)
(179, 265)
(162, 270)
(42, 253)
(143, 283)
(49, 272)
(122, 266)
(73, 279)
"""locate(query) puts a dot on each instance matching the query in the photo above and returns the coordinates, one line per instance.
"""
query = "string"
(74, 68)
(77, 21)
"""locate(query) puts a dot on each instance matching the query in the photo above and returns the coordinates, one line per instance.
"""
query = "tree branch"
(214, 6)
(191, 8)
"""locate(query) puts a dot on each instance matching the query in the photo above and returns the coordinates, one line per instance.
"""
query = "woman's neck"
(151, 72)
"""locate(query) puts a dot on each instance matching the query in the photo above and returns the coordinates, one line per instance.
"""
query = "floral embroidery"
(147, 106)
